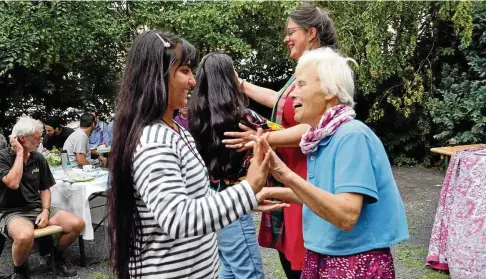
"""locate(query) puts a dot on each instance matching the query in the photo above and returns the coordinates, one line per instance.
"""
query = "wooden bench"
(47, 234)
(448, 151)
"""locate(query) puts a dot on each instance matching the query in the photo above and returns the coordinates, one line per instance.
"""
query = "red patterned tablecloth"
(458, 241)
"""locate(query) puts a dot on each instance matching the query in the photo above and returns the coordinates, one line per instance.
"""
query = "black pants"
(291, 274)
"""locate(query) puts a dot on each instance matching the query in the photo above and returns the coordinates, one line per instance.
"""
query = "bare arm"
(287, 137)
(14, 175)
(81, 159)
(282, 138)
(42, 219)
(264, 96)
(12, 179)
(280, 193)
(46, 198)
(342, 210)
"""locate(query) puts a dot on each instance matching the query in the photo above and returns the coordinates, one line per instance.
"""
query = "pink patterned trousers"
(376, 264)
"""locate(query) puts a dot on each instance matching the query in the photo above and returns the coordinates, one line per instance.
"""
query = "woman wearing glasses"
(308, 27)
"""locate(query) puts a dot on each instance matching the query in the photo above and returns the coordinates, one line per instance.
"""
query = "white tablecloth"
(74, 197)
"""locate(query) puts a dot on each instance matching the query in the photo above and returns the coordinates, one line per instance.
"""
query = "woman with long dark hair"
(217, 106)
(162, 212)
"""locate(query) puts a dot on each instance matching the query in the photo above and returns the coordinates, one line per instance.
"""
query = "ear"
(329, 97)
(21, 139)
(312, 34)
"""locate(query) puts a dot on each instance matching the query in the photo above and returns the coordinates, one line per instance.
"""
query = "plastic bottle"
(69, 169)
(64, 159)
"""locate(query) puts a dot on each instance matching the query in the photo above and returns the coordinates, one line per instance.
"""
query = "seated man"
(77, 144)
(97, 137)
(56, 134)
(108, 134)
(25, 199)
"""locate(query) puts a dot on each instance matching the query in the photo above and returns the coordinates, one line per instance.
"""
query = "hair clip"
(166, 44)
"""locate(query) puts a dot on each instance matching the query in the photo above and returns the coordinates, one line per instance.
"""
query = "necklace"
(186, 142)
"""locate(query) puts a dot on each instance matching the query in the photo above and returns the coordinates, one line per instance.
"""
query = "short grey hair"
(26, 126)
(335, 75)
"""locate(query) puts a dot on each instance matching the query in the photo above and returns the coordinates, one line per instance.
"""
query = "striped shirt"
(178, 211)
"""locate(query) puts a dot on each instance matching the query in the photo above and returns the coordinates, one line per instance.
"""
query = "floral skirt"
(376, 264)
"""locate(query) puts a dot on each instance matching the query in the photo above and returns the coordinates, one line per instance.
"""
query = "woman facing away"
(163, 215)
(353, 212)
(217, 106)
(308, 27)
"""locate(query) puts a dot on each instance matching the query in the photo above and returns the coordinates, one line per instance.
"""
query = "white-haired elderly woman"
(353, 212)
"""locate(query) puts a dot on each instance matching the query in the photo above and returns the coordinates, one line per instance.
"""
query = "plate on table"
(78, 177)
(103, 149)
(98, 172)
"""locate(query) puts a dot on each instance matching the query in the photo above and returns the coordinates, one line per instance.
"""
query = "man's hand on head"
(16, 146)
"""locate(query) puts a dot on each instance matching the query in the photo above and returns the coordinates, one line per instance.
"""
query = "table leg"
(81, 251)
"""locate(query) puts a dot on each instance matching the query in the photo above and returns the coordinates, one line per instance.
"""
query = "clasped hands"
(264, 160)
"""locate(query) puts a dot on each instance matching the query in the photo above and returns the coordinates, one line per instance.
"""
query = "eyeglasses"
(291, 31)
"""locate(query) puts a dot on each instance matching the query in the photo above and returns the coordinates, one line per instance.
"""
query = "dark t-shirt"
(36, 177)
(57, 140)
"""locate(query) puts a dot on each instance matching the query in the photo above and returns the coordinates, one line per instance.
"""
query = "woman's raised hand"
(277, 167)
(242, 140)
(258, 170)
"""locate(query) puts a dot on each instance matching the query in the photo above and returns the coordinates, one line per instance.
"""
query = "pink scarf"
(329, 123)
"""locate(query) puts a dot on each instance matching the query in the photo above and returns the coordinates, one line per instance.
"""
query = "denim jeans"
(239, 251)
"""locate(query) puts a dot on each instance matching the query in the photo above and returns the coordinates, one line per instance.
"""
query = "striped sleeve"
(159, 182)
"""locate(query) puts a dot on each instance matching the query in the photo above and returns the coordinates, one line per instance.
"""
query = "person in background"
(181, 117)
(56, 134)
(97, 135)
(3, 140)
(353, 212)
(308, 27)
(108, 135)
(218, 98)
(25, 199)
(77, 144)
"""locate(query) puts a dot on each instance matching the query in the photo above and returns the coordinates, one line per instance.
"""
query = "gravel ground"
(419, 188)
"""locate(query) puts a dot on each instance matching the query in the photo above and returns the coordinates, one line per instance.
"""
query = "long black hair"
(142, 100)
(215, 107)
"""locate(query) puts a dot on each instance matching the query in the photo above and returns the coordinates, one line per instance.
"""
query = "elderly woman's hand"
(278, 168)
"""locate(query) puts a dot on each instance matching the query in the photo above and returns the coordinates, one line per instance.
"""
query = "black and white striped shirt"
(178, 211)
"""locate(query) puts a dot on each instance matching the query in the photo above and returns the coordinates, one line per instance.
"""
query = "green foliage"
(61, 58)
(56, 57)
(459, 108)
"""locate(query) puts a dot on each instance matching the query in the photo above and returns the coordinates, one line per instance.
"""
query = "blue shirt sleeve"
(108, 133)
(353, 172)
(96, 136)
